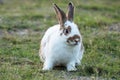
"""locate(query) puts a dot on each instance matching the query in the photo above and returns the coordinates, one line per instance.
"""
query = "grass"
(23, 23)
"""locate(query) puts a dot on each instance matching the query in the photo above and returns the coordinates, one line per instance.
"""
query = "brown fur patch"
(67, 30)
(75, 38)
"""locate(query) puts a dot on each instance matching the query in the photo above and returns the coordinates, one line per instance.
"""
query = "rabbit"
(62, 43)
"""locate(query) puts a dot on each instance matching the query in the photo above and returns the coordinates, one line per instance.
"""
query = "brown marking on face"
(67, 30)
(75, 38)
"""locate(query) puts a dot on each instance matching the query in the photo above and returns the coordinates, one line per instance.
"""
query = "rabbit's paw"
(47, 66)
(71, 67)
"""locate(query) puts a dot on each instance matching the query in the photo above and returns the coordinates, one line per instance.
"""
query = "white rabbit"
(62, 43)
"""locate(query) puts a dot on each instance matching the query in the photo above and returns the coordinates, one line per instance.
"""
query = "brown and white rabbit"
(62, 43)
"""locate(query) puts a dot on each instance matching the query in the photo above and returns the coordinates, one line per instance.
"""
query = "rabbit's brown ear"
(60, 15)
(70, 12)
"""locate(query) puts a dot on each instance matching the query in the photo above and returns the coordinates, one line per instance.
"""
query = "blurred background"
(24, 22)
(91, 13)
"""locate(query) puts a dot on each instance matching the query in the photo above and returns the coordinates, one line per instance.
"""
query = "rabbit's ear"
(70, 12)
(60, 15)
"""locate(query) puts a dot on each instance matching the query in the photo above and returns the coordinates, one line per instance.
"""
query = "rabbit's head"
(68, 28)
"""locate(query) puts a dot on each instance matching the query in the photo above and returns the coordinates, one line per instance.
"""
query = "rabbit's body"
(62, 46)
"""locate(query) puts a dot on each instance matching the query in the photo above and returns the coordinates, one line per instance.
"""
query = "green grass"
(23, 23)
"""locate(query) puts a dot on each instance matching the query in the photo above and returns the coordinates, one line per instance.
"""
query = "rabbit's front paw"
(71, 67)
(47, 66)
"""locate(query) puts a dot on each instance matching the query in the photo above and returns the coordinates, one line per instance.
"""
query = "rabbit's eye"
(67, 31)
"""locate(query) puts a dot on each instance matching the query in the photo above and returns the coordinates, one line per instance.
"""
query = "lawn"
(24, 22)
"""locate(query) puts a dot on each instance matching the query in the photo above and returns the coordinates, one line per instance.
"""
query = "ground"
(24, 22)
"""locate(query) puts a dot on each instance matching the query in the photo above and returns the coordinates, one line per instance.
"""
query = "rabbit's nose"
(76, 42)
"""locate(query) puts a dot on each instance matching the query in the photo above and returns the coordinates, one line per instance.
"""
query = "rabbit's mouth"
(73, 43)
(74, 40)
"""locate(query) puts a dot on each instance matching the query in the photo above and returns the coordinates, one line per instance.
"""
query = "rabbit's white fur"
(55, 50)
